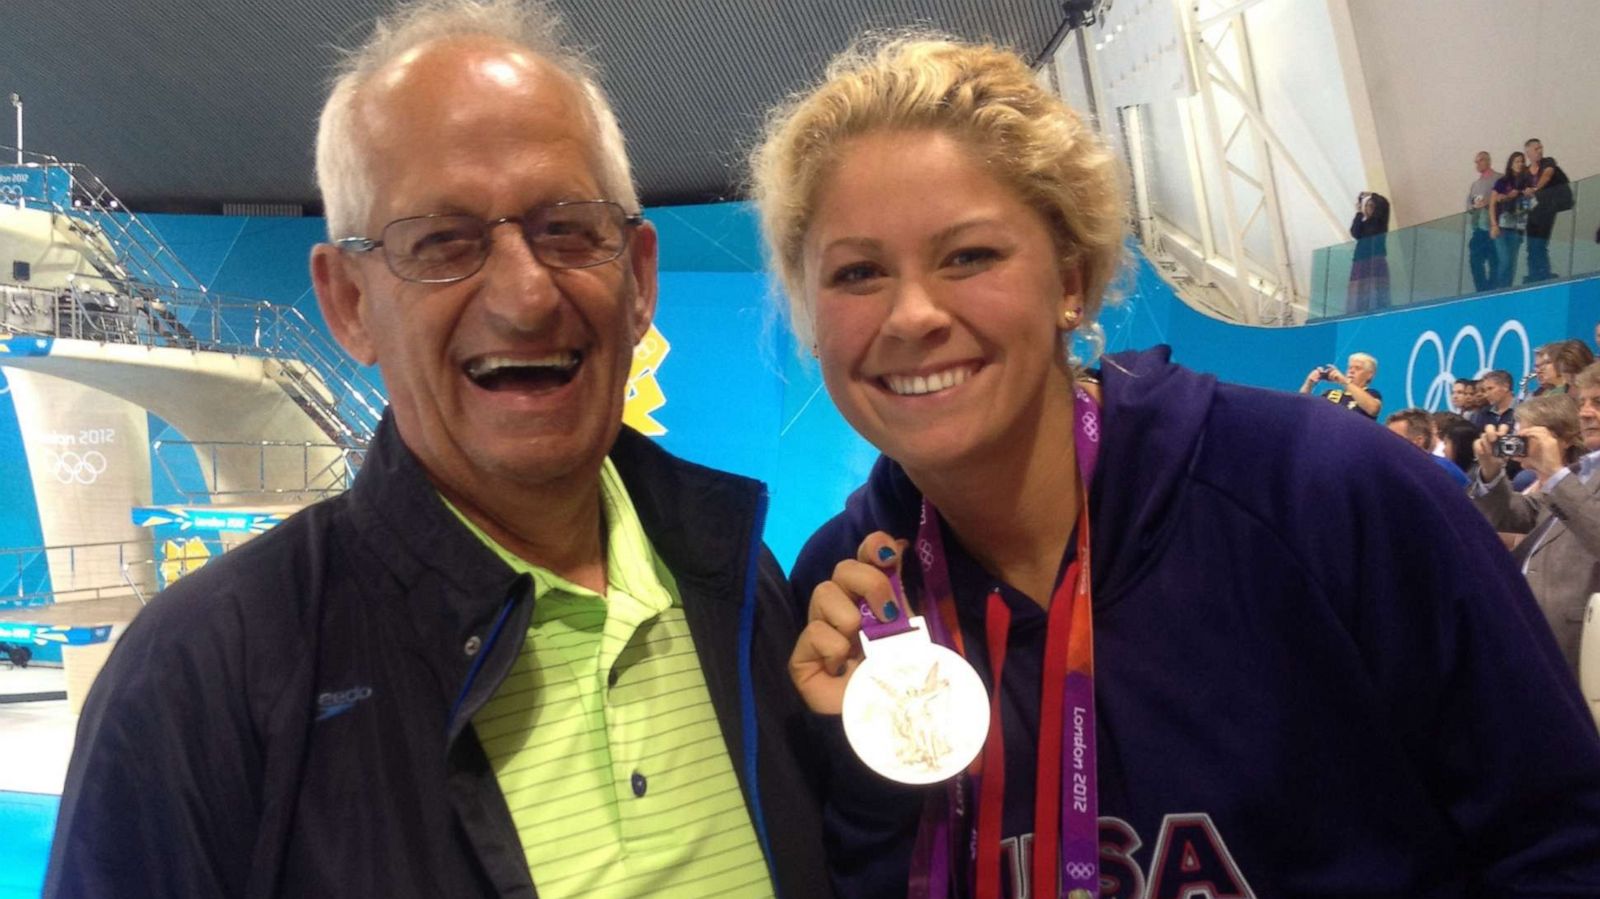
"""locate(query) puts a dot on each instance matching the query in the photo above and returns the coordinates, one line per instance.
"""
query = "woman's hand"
(829, 649)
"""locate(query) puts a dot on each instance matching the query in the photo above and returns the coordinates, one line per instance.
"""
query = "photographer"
(1560, 514)
(1350, 388)
(1369, 269)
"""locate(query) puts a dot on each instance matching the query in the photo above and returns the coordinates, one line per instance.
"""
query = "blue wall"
(1418, 349)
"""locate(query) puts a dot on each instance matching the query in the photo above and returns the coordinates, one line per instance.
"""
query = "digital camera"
(1511, 447)
(1324, 370)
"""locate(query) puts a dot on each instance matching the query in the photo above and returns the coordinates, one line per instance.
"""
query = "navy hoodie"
(1318, 672)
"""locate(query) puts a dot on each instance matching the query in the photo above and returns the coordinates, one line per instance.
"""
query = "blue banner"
(38, 186)
(205, 518)
(15, 347)
(59, 634)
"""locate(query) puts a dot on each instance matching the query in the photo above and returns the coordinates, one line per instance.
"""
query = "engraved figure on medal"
(915, 712)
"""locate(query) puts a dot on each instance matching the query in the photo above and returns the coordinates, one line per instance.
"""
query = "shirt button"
(473, 645)
(639, 783)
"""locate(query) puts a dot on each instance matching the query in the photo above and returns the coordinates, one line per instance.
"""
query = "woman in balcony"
(1508, 215)
(1369, 273)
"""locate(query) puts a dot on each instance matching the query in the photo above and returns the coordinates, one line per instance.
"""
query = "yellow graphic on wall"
(644, 392)
(180, 556)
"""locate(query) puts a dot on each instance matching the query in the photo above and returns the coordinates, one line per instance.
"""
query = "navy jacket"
(1315, 678)
(294, 719)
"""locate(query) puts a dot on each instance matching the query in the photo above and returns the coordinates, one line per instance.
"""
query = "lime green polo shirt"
(604, 740)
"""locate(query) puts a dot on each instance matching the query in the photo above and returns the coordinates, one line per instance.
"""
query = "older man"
(1561, 553)
(522, 652)
(1481, 258)
(1349, 388)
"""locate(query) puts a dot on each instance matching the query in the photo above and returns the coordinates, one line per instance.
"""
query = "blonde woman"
(1217, 660)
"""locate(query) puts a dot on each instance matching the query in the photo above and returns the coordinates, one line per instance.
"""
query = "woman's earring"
(1069, 318)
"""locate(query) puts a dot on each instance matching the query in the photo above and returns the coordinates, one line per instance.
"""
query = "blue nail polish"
(885, 554)
(890, 611)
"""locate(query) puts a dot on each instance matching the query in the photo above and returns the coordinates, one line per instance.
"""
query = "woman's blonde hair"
(984, 95)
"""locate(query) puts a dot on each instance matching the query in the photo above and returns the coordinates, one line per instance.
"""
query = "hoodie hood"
(1152, 427)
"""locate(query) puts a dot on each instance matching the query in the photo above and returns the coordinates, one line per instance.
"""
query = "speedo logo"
(337, 703)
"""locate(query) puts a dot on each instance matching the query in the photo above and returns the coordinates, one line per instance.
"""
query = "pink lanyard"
(1066, 814)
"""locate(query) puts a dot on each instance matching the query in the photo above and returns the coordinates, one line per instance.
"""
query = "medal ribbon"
(1066, 860)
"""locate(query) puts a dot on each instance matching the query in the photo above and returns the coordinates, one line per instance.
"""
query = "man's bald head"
(523, 32)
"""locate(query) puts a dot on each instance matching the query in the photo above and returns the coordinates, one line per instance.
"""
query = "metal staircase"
(145, 295)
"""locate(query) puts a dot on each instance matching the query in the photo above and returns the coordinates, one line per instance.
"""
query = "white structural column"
(1366, 122)
(1236, 260)
(1219, 46)
(1232, 116)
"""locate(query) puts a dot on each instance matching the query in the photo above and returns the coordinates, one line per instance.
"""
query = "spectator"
(1440, 420)
(1459, 436)
(1560, 554)
(1464, 395)
(1415, 427)
(1499, 406)
(1558, 414)
(1544, 371)
(1481, 257)
(1508, 214)
(1551, 194)
(1597, 331)
(1350, 388)
(1568, 357)
(1556, 364)
(1369, 272)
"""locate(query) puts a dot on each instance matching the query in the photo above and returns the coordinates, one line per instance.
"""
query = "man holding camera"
(1350, 388)
(1560, 554)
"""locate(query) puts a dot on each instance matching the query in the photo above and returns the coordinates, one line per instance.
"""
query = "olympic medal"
(914, 711)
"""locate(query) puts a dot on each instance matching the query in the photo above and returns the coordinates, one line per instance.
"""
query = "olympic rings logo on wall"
(1437, 393)
(10, 193)
(80, 468)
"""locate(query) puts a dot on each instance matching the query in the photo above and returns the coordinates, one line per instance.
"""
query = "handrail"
(140, 251)
(144, 294)
(31, 583)
(333, 476)
(1434, 261)
(131, 312)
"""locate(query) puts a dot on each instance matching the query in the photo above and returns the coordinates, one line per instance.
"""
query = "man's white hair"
(342, 176)
(1368, 358)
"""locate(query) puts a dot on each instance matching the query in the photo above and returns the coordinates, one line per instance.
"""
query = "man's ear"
(642, 264)
(339, 296)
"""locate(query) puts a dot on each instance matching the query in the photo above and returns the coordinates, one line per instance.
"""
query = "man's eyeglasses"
(439, 249)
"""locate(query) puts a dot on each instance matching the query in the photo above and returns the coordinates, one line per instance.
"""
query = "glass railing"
(1435, 260)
